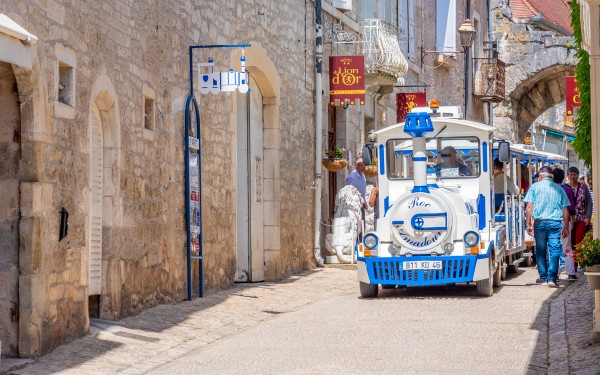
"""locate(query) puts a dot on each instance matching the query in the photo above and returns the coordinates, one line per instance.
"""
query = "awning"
(15, 43)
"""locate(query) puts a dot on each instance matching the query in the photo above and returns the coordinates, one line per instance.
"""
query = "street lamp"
(466, 33)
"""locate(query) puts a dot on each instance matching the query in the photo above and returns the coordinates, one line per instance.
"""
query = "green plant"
(583, 124)
(336, 153)
(587, 253)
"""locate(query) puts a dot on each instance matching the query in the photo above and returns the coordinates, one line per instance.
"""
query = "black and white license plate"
(422, 265)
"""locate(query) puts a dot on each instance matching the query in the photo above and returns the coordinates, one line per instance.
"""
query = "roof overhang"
(15, 43)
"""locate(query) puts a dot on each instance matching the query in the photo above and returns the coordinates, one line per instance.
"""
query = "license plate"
(422, 265)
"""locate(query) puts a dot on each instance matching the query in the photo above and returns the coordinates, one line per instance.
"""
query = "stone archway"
(265, 173)
(104, 206)
(537, 94)
(10, 158)
(536, 63)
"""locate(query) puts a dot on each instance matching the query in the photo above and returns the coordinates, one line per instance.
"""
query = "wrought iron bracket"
(334, 33)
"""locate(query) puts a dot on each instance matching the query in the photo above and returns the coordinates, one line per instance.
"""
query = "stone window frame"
(65, 78)
(149, 97)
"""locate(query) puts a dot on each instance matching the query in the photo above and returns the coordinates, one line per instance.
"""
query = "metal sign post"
(214, 83)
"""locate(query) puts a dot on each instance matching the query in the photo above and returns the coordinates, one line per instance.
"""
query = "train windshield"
(450, 157)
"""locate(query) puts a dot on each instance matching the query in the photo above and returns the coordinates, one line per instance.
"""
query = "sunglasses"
(445, 155)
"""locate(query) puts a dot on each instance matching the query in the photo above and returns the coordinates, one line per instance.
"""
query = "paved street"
(315, 323)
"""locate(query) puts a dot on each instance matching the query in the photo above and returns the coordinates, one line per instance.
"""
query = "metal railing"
(381, 48)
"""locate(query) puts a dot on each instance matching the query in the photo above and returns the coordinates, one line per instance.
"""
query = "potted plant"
(587, 254)
(335, 159)
(371, 170)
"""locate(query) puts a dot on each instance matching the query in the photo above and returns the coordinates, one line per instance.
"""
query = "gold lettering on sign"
(345, 76)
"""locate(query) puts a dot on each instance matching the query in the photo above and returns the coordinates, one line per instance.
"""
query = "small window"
(66, 83)
(148, 113)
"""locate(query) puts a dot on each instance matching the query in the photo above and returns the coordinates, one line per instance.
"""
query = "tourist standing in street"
(547, 208)
(358, 180)
(566, 258)
(583, 207)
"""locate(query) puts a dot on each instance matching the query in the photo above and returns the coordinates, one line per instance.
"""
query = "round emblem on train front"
(420, 221)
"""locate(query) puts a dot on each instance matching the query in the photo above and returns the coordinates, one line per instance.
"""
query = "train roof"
(453, 124)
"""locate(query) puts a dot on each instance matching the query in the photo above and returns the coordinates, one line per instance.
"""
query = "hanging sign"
(405, 102)
(346, 80)
(213, 82)
(572, 94)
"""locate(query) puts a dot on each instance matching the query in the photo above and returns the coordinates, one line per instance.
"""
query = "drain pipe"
(491, 55)
(318, 128)
(467, 58)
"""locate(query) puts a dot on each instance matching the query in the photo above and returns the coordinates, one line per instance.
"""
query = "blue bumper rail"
(390, 271)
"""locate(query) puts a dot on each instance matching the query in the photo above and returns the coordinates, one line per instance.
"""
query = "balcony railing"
(489, 79)
(382, 49)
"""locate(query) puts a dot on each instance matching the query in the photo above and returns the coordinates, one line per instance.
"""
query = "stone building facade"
(95, 126)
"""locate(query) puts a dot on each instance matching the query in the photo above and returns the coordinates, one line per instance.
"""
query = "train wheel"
(513, 268)
(368, 290)
(498, 275)
(485, 288)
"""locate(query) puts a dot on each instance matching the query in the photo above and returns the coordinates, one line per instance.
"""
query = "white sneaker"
(552, 284)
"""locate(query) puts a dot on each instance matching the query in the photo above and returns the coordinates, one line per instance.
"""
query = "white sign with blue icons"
(213, 82)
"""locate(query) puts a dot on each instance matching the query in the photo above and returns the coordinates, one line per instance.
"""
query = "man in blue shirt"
(548, 206)
(358, 180)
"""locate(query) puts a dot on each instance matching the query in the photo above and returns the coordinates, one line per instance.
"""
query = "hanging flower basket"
(371, 170)
(334, 165)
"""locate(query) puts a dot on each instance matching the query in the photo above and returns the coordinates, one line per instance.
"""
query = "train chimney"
(418, 125)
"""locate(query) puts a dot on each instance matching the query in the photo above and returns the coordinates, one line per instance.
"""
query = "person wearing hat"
(547, 208)
(450, 161)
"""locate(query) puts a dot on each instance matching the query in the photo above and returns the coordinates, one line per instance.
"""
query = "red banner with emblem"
(346, 80)
(571, 94)
(405, 102)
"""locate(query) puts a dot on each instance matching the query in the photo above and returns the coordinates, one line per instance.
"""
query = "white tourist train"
(441, 220)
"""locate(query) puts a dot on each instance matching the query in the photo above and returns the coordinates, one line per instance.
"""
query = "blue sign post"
(214, 83)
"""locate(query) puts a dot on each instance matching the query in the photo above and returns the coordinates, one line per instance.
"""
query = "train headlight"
(449, 248)
(370, 240)
(471, 238)
(393, 249)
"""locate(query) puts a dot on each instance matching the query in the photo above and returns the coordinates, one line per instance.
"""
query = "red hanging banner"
(346, 80)
(405, 102)
(571, 94)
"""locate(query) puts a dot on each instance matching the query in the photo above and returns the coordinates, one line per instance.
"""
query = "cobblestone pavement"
(160, 335)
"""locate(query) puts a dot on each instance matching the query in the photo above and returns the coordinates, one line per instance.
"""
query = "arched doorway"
(104, 212)
(257, 172)
(10, 155)
(249, 176)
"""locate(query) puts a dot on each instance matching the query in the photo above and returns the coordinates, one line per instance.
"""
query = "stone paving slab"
(164, 333)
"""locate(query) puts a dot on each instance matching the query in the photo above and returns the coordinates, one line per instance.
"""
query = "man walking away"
(547, 208)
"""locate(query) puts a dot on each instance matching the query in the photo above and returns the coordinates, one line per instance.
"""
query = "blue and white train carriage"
(438, 219)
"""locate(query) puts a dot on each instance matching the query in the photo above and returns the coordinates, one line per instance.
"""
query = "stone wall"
(121, 51)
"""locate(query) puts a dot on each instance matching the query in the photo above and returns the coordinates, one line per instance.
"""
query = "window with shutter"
(445, 25)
